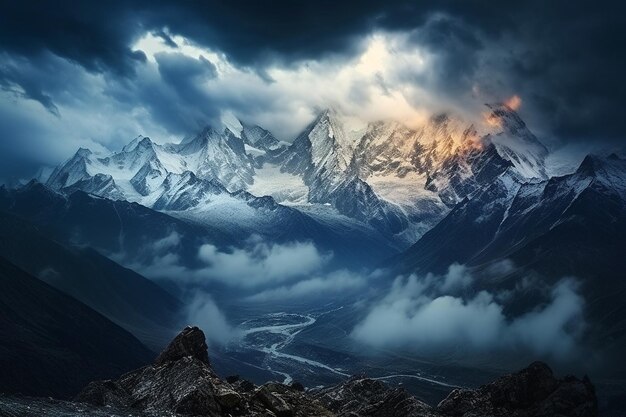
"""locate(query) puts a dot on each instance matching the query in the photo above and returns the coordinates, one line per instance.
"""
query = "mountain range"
(410, 200)
(385, 179)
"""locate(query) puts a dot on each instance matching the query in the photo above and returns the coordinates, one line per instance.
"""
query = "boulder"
(189, 342)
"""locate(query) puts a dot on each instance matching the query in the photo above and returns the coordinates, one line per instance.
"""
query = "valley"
(290, 248)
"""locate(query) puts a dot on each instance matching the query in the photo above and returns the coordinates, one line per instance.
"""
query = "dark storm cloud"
(18, 73)
(565, 59)
(173, 94)
(94, 34)
(179, 69)
(457, 48)
(572, 61)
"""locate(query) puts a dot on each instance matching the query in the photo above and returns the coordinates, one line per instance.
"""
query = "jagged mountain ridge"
(446, 160)
(569, 226)
(511, 213)
(398, 180)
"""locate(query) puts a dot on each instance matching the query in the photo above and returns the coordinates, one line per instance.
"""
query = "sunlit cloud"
(514, 102)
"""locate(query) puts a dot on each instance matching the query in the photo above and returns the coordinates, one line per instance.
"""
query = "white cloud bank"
(334, 282)
(258, 264)
(433, 312)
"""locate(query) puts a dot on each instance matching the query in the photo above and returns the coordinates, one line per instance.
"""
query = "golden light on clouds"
(472, 141)
(389, 79)
(491, 120)
(514, 102)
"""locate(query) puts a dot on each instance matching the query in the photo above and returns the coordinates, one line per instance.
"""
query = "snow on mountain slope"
(416, 158)
(230, 122)
(260, 138)
(72, 171)
(608, 173)
(413, 174)
(286, 188)
(422, 207)
(453, 155)
(142, 166)
(323, 151)
(466, 172)
(99, 184)
(397, 179)
(215, 155)
(386, 148)
(323, 155)
(185, 191)
(516, 143)
(420, 171)
(257, 140)
(512, 212)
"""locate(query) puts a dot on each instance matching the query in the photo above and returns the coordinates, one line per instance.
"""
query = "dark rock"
(297, 386)
(525, 388)
(181, 382)
(186, 386)
(243, 385)
(283, 400)
(532, 392)
(361, 396)
(275, 403)
(189, 342)
(229, 399)
(232, 379)
(103, 393)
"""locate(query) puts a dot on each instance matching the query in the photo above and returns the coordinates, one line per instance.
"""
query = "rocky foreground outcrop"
(181, 382)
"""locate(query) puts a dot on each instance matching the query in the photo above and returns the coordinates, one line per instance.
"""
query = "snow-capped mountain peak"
(232, 123)
(216, 155)
(515, 142)
(607, 172)
(330, 146)
(401, 180)
(132, 144)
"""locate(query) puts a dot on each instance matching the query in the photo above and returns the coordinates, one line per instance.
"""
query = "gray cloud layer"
(258, 265)
(429, 313)
(93, 85)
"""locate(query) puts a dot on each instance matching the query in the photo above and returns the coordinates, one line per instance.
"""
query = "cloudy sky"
(97, 74)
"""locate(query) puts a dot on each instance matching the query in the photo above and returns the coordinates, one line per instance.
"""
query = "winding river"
(272, 333)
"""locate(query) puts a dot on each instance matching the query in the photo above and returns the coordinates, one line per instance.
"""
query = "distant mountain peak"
(132, 144)
(515, 142)
(83, 153)
(145, 141)
(607, 170)
(231, 123)
(329, 112)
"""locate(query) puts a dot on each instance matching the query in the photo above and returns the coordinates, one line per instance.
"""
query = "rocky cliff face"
(534, 391)
(181, 382)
